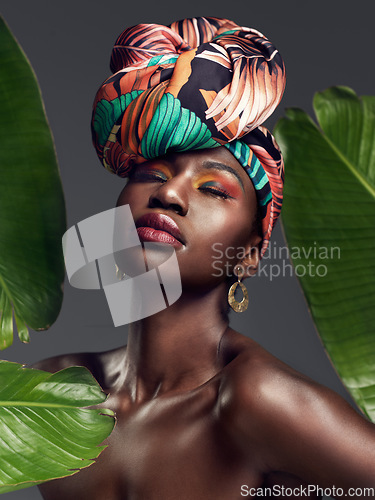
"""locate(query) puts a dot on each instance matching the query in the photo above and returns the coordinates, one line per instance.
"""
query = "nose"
(171, 195)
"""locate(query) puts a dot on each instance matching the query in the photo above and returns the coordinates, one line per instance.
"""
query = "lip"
(159, 228)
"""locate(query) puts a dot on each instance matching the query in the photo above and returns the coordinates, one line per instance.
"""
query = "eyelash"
(222, 193)
(148, 176)
(156, 177)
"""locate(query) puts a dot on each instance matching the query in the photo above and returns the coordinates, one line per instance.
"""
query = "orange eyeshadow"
(226, 182)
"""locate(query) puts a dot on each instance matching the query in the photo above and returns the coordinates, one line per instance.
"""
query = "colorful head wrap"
(198, 83)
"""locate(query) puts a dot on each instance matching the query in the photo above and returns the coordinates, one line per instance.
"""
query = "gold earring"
(234, 304)
(119, 274)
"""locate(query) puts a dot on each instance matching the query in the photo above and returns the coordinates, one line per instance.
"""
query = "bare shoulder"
(283, 413)
(256, 377)
(100, 364)
(261, 395)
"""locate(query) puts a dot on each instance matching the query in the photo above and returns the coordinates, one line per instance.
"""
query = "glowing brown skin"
(201, 409)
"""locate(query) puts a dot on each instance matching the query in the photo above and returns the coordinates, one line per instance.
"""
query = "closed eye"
(213, 189)
(139, 175)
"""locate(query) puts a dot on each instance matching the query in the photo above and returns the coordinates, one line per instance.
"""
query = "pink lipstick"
(159, 228)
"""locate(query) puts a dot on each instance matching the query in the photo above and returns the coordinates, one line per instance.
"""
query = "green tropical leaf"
(329, 221)
(32, 212)
(44, 434)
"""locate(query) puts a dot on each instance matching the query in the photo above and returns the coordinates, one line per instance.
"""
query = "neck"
(177, 349)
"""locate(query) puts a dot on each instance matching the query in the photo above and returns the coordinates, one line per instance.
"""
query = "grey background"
(323, 43)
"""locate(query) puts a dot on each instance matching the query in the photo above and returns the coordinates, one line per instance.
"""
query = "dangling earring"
(119, 274)
(234, 304)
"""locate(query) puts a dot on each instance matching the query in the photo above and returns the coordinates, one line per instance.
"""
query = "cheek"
(228, 227)
(133, 195)
(219, 244)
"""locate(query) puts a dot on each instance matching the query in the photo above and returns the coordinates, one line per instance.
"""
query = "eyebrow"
(208, 164)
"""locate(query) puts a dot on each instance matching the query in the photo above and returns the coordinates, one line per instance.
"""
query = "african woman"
(204, 412)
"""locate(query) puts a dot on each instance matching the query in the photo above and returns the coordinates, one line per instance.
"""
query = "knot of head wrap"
(198, 83)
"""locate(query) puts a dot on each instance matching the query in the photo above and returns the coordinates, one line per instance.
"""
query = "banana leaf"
(32, 211)
(329, 223)
(44, 434)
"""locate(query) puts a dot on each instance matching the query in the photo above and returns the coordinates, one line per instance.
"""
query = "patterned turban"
(198, 83)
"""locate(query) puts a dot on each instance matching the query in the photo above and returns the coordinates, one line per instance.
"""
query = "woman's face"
(200, 202)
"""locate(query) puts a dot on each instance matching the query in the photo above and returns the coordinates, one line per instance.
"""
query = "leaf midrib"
(39, 404)
(5, 289)
(351, 167)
